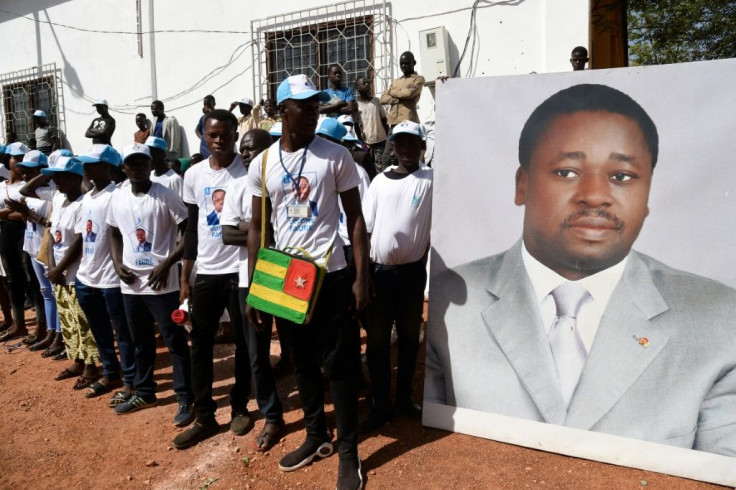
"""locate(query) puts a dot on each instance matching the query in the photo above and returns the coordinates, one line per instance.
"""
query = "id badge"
(297, 210)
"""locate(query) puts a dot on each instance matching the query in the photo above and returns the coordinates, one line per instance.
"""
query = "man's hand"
(56, 276)
(185, 290)
(159, 276)
(18, 207)
(125, 274)
(254, 317)
(363, 291)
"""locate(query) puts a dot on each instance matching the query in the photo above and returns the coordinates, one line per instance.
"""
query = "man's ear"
(521, 179)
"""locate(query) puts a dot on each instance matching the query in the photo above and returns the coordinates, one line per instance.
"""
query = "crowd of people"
(107, 244)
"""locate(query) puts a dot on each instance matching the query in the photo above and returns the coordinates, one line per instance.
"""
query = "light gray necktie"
(567, 347)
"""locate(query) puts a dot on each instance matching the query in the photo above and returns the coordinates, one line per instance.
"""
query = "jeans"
(49, 300)
(259, 351)
(142, 310)
(332, 341)
(104, 307)
(211, 294)
(400, 297)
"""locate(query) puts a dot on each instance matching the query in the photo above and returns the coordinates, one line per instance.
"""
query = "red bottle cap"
(179, 317)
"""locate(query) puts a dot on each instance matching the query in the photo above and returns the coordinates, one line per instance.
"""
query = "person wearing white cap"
(144, 219)
(46, 135)
(208, 105)
(162, 173)
(301, 168)
(398, 211)
(101, 128)
(250, 114)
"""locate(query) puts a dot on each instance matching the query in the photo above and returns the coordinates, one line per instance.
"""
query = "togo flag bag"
(284, 284)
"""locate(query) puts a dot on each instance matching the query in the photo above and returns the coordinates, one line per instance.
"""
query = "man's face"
(363, 86)
(578, 61)
(248, 149)
(301, 116)
(245, 109)
(585, 192)
(137, 168)
(88, 227)
(335, 75)
(270, 107)
(97, 172)
(140, 236)
(408, 149)
(40, 121)
(28, 173)
(406, 63)
(156, 110)
(208, 104)
(67, 182)
(303, 189)
(220, 137)
(218, 199)
(140, 121)
(57, 237)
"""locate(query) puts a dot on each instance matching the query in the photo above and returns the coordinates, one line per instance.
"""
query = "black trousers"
(211, 294)
(399, 297)
(331, 341)
(19, 271)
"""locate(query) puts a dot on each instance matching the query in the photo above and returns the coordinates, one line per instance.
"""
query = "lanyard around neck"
(301, 167)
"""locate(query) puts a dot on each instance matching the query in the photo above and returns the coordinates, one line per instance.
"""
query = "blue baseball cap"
(34, 159)
(59, 153)
(100, 153)
(156, 142)
(350, 136)
(16, 149)
(333, 128)
(299, 87)
(39, 113)
(136, 149)
(407, 127)
(65, 164)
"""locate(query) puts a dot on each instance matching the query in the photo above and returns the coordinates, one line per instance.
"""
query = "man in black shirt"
(102, 127)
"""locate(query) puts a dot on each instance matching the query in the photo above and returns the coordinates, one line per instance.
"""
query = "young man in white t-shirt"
(398, 212)
(305, 178)
(150, 213)
(161, 171)
(235, 221)
(98, 285)
(216, 282)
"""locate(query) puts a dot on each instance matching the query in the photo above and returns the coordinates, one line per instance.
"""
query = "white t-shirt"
(238, 208)
(64, 217)
(34, 230)
(148, 225)
(365, 182)
(96, 268)
(170, 180)
(207, 187)
(398, 215)
(329, 169)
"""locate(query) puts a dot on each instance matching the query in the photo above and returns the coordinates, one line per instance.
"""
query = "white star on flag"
(300, 282)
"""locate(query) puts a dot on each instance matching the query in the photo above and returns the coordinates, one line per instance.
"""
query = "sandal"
(66, 374)
(84, 382)
(99, 388)
(10, 335)
(269, 436)
(30, 340)
(119, 398)
(52, 350)
(61, 356)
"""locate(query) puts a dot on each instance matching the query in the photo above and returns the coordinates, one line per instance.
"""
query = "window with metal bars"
(22, 99)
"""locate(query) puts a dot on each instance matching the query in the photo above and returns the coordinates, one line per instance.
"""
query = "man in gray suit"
(572, 327)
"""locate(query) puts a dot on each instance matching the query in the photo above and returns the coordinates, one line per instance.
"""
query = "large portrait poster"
(623, 182)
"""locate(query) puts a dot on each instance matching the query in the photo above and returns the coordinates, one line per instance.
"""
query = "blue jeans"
(49, 301)
(142, 310)
(104, 307)
(259, 351)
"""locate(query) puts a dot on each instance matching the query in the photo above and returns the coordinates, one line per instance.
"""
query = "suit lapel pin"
(643, 341)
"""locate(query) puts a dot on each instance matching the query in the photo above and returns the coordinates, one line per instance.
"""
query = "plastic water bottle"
(181, 316)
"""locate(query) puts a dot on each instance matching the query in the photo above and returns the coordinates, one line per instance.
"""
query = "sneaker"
(184, 415)
(240, 423)
(349, 475)
(134, 404)
(305, 454)
(195, 434)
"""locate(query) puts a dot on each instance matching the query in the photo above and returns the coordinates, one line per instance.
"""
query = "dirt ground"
(53, 437)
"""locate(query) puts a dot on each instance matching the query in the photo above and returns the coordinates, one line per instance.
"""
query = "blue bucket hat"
(299, 87)
(65, 164)
(100, 153)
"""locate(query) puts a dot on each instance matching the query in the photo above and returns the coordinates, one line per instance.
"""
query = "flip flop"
(30, 340)
(66, 374)
(11, 336)
(52, 350)
(84, 382)
(99, 388)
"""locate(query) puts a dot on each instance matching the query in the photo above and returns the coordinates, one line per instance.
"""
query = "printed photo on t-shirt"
(213, 201)
(58, 239)
(141, 240)
(90, 236)
(301, 210)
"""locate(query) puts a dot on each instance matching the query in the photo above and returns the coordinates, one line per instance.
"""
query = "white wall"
(513, 37)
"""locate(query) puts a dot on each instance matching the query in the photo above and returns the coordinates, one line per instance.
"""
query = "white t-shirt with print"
(329, 169)
(207, 187)
(398, 215)
(64, 217)
(96, 268)
(170, 180)
(365, 182)
(34, 231)
(148, 224)
(238, 208)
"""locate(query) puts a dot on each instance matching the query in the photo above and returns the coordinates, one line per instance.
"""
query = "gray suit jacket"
(487, 350)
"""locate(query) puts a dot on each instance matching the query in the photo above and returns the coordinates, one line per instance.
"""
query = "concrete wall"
(512, 37)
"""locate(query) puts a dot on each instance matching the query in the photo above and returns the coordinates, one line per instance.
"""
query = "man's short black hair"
(580, 49)
(334, 65)
(158, 103)
(585, 98)
(222, 115)
(141, 114)
(209, 97)
(261, 138)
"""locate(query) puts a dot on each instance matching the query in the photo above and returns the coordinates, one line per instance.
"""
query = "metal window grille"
(355, 34)
(26, 91)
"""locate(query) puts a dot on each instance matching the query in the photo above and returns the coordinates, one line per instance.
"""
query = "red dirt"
(53, 437)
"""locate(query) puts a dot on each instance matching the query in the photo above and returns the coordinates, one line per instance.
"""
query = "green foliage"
(676, 31)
